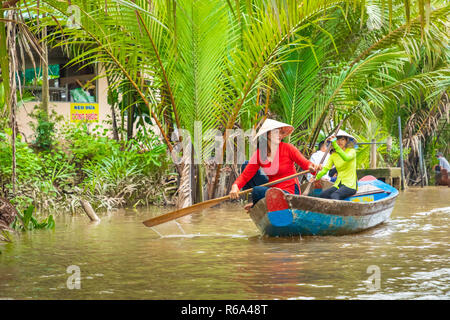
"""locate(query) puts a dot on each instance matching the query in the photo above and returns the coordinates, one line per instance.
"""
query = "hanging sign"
(83, 112)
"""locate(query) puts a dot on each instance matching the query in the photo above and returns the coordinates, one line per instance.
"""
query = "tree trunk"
(4, 64)
(44, 66)
(8, 64)
(113, 101)
(183, 166)
(122, 121)
(184, 198)
(114, 123)
(11, 28)
(400, 140)
(130, 118)
(199, 183)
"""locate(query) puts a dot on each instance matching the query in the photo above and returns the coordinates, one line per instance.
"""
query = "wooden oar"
(308, 187)
(207, 204)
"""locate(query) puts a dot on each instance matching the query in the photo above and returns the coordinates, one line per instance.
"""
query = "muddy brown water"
(219, 254)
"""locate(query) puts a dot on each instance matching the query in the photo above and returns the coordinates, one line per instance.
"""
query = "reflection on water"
(219, 254)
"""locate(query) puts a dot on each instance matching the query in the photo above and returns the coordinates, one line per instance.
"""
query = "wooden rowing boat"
(282, 214)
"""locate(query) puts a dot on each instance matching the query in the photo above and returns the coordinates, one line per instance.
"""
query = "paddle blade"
(308, 189)
(182, 212)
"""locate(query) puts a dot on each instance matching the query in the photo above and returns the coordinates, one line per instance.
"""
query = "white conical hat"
(342, 133)
(270, 124)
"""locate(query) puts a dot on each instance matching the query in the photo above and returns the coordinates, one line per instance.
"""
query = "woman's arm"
(345, 156)
(325, 169)
(249, 171)
(298, 158)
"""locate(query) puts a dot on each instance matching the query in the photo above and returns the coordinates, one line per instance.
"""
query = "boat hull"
(310, 216)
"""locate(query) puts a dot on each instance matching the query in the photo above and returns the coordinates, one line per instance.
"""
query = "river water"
(219, 254)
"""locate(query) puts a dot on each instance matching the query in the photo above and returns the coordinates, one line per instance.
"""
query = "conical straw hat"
(342, 133)
(270, 124)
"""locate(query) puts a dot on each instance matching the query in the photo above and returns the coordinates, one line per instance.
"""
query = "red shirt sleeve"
(298, 158)
(249, 171)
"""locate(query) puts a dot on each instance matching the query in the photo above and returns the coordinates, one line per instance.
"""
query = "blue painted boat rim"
(343, 207)
(311, 206)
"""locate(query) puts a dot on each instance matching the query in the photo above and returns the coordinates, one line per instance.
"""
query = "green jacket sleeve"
(345, 156)
(325, 169)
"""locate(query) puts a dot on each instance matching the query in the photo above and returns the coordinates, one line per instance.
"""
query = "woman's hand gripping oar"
(207, 204)
(308, 187)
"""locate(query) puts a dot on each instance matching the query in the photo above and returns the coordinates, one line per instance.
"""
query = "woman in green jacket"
(344, 159)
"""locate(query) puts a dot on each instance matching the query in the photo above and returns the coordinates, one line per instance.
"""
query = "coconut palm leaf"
(267, 41)
(201, 48)
(406, 31)
(345, 90)
(301, 76)
(382, 73)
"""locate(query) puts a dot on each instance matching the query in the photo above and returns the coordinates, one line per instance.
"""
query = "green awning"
(36, 73)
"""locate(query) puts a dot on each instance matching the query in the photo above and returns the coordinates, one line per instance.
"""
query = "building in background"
(76, 93)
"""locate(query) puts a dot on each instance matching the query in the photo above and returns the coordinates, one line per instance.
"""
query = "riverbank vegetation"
(82, 163)
(228, 65)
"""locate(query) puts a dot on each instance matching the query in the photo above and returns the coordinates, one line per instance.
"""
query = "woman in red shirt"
(276, 158)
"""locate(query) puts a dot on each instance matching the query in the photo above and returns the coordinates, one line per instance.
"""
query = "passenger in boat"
(276, 159)
(344, 159)
(316, 158)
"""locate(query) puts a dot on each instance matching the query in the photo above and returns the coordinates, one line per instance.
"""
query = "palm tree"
(214, 61)
(355, 76)
(14, 35)
(188, 56)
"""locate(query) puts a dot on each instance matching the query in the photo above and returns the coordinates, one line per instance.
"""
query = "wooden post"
(44, 69)
(389, 144)
(11, 44)
(373, 154)
(192, 173)
(89, 211)
(420, 163)
(425, 171)
(402, 175)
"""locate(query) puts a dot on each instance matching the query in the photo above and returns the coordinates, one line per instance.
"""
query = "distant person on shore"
(442, 169)
(443, 163)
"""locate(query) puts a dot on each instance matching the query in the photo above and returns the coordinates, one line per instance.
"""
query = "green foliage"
(393, 157)
(86, 163)
(85, 145)
(44, 128)
(90, 147)
(111, 173)
(44, 132)
(38, 175)
(28, 163)
(58, 172)
(26, 221)
(3, 106)
(125, 170)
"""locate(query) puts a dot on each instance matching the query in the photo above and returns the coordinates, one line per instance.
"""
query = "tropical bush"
(83, 165)
(28, 163)
(25, 221)
(124, 175)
